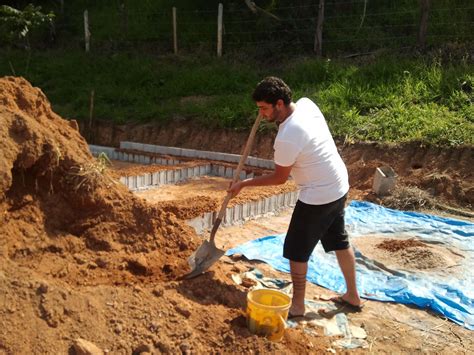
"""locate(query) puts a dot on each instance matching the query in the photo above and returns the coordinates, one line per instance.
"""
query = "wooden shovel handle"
(242, 161)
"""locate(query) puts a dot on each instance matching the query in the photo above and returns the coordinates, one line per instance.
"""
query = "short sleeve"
(285, 153)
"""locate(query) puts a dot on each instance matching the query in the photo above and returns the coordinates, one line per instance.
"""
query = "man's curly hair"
(271, 89)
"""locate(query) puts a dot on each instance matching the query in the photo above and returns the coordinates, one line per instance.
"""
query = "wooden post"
(219, 30)
(124, 12)
(87, 34)
(318, 38)
(425, 11)
(91, 117)
(175, 36)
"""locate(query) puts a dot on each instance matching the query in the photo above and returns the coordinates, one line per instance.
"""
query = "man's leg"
(346, 260)
(298, 276)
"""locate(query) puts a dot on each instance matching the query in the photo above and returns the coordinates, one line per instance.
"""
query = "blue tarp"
(448, 293)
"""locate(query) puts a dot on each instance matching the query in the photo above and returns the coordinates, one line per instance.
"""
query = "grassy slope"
(388, 99)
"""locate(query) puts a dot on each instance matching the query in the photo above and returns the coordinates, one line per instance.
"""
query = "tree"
(17, 26)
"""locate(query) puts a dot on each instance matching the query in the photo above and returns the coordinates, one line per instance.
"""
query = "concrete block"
(148, 179)
(260, 206)
(177, 175)
(229, 172)
(155, 178)
(252, 161)
(385, 179)
(133, 182)
(150, 148)
(184, 173)
(162, 177)
(235, 158)
(202, 170)
(250, 175)
(190, 153)
(137, 146)
(238, 213)
(155, 149)
(221, 171)
(190, 172)
(245, 211)
(147, 160)
(243, 175)
(141, 181)
(208, 169)
(176, 151)
(252, 209)
(214, 170)
(124, 180)
(169, 177)
(228, 216)
(196, 170)
(273, 203)
(280, 200)
(126, 145)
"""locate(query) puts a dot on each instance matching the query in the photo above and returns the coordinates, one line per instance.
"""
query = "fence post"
(318, 38)
(219, 29)
(87, 33)
(425, 10)
(175, 36)
(91, 117)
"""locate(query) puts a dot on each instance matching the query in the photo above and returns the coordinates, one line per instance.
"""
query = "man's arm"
(277, 177)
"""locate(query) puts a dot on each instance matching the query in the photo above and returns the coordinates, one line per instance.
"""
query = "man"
(305, 148)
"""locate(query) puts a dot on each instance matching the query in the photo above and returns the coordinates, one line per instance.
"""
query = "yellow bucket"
(267, 311)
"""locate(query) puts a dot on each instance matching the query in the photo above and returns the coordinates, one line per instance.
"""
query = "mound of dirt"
(409, 254)
(51, 185)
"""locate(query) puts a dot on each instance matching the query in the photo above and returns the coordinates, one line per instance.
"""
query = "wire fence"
(347, 27)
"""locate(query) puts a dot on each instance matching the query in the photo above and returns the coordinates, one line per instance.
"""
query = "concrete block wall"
(165, 177)
(234, 215)
(241, 213)
(197, 154)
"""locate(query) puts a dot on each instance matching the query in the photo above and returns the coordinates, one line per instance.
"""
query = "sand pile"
(55, 196)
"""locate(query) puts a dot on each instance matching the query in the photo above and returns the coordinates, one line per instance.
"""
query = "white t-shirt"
(304, 141)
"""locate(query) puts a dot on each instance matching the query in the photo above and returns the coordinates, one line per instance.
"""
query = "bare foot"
(353, 300)
(296, 311)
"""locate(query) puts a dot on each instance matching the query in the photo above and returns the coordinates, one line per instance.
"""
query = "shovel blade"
(203, 258)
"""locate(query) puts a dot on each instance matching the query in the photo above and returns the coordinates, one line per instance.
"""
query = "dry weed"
(90, 175)
(409, 198)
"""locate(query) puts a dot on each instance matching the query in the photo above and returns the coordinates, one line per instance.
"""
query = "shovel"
(207, 253)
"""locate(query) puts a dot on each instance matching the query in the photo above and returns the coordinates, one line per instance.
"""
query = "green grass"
(388, 99)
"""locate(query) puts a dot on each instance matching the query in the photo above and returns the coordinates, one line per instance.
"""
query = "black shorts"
(312, 223)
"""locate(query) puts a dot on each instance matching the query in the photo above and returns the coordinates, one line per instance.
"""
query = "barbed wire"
(248, 11)
(194, 30)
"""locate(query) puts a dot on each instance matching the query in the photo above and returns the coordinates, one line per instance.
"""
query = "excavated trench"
(192, 183)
